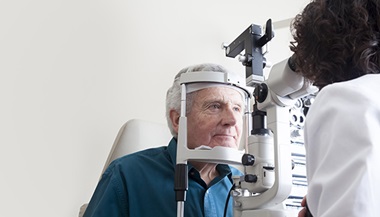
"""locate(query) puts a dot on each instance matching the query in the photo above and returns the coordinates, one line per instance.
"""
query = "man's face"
(215, 118)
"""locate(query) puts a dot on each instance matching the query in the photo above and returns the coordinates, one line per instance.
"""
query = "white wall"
(73, 71)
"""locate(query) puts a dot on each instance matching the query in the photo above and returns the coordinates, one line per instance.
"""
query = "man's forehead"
(222, 94)
(194, 87)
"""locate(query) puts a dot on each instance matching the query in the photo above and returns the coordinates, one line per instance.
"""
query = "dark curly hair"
(337, 40)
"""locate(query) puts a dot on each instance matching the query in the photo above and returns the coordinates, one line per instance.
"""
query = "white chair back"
(136, 135)
(133, 136)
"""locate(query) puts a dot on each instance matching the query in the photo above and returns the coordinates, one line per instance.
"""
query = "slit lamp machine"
(267, 178)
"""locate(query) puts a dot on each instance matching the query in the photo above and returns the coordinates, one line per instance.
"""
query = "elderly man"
(142, 184)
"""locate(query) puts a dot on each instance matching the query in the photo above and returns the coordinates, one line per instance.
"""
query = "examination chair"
(133, 136)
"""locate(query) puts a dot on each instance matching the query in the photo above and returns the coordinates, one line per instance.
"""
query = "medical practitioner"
(337, 47)
(142, 184)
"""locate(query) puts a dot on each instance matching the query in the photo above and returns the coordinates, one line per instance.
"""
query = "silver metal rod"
(180, 208)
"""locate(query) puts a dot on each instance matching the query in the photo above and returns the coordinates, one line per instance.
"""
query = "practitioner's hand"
(302, 213)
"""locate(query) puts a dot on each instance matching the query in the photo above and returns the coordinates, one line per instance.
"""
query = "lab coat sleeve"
(110, 196)
(342, 139)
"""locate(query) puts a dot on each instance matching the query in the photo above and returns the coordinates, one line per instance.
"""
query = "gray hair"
(173, 95)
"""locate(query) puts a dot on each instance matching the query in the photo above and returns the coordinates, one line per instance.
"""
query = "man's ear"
(174, 118)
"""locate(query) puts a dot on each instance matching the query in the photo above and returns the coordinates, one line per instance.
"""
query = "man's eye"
(238, 109)
(215, 106)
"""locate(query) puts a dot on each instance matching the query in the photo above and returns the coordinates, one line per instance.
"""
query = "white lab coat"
(342, 140)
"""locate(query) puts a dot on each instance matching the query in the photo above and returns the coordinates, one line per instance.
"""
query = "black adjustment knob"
(261, 92)
(248, 160)
(250, 178)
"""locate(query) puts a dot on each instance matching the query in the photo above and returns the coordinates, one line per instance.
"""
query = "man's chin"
(229, 144)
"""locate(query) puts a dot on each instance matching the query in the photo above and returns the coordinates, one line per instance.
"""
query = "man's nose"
(229, 117)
